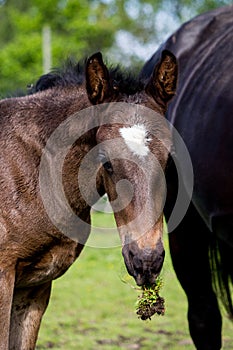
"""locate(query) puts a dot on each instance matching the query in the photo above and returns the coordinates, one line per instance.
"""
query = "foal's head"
(133, 150)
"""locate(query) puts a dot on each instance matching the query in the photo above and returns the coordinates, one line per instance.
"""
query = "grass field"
(92, 309)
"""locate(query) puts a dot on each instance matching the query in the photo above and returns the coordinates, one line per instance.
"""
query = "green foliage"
(149, 302)
(19, 63)
(80, 28)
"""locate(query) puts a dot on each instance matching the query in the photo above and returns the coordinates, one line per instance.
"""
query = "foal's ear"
(97, 79)
(162, 84)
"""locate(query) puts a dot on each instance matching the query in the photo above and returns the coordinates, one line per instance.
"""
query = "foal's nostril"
(148, 267)
(137, 264)
(158, 262)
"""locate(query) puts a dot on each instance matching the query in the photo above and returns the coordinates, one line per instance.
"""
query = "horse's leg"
(7, 280)
(189, 246)
(222, 253)
(29, 305)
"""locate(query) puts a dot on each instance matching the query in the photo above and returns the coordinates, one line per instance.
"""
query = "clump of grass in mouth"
(150, 302)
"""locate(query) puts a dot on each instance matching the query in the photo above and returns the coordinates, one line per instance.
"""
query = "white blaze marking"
(136, 138)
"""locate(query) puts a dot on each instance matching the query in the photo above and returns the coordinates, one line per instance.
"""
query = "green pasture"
(92, 309)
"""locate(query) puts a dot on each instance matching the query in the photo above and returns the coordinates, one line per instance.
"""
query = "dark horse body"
(202, 114)
(33, 250)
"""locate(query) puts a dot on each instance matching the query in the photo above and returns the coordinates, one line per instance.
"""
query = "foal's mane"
(72, 74)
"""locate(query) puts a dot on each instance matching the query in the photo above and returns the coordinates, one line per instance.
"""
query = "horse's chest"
(51, 264)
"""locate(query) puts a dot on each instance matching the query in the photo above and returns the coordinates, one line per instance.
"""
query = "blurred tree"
(80, 28)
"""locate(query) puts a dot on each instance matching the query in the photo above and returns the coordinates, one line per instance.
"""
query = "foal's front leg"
(7, 280)
(29, 305)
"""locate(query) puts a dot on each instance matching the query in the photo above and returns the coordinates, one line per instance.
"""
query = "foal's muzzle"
(143, 264)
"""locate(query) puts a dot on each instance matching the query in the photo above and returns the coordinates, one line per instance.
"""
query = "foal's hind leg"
(189, 251)
(28, 307)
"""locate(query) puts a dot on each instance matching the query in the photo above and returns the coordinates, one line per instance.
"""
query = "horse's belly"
(50, 265)
(212, 160)
(214, 195)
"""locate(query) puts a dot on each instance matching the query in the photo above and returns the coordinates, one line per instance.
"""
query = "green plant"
(150, 302)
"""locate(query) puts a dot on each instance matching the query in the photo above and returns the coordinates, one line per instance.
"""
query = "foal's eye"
(108, 167)
(106, 163)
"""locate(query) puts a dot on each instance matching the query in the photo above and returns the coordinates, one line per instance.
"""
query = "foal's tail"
(221, 261)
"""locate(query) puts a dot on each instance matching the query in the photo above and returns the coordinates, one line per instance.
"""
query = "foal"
(33, 249)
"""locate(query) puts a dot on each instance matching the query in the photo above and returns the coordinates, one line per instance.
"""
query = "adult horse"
(202, 114)
(34, 250)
